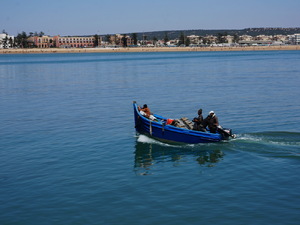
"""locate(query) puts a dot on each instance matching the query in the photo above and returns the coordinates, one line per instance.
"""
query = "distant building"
(264, 38)
(229, 39)
(74, 41)
(41, 42)
(118, 40)
(294, 39)
(211, 38)
(6, 41)
(194, 39)
(62, 42)
(246, 38)
(282, 38)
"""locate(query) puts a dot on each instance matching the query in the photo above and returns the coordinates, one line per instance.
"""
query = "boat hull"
(159, 130)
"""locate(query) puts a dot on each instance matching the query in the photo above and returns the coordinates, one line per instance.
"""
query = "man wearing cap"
(212, 122)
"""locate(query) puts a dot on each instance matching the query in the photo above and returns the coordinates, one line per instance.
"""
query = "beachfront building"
(245, 38)
(211, 39)
(194, 39)
(160, 43)
(120, 40)
(6, 41)
(41, 42)
(74, 41)
(62, 42)
(294, 39)
(267, 38)
(282, 38)
(229, 39)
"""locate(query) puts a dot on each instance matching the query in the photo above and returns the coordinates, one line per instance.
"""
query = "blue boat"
(179, 133)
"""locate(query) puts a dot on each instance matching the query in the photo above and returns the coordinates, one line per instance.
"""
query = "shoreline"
(147, 49)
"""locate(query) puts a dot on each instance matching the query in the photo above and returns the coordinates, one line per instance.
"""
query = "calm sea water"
(69, 153)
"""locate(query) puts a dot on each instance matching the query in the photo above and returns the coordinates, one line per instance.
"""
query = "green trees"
(134, 38)
(187, 42)
(144, 41)
(96, 40)
(183, 40)
(221, 37)
(166, 38)
(11, 42)
(124, 41)
(108, 39)
(236, 38)
(21, 40)
(154, 40)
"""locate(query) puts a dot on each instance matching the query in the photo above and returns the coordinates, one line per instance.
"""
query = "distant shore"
(147, 49)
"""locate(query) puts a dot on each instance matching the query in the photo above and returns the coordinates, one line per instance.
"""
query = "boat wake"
(270, 144)
(272, 138)
(145, 139)
(148, 140)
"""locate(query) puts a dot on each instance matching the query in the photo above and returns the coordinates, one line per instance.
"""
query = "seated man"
(198, 122)
(212, 122)
(145, 111)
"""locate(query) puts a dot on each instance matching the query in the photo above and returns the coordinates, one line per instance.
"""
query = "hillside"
(248, 31)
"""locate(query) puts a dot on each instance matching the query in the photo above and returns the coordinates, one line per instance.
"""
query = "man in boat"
(145, 111)
(198, 122)
(212, 122)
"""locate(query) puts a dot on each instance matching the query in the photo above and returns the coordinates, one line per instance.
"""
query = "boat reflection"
(148, 156)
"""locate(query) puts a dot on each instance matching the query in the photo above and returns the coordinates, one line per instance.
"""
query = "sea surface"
(69, 153)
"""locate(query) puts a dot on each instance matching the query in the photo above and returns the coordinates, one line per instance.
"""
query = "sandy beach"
(146, 49)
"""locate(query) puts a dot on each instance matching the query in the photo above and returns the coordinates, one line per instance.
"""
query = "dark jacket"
(212, 122)
(198, 123)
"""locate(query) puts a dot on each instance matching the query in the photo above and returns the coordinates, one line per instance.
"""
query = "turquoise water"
(69, 153)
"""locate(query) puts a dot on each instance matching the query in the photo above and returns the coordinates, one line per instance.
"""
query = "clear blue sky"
(86, 17)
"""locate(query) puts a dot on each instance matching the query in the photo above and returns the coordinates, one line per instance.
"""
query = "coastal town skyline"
(109, 17)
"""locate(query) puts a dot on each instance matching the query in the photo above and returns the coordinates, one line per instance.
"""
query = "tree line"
(182, 39)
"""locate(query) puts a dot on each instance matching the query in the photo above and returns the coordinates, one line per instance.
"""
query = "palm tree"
(108, 38)
(124, 41)
(166, 38)
(134, 37)
(96, 40)
(181, 39)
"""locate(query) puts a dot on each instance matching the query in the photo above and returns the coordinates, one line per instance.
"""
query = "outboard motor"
(226, 132)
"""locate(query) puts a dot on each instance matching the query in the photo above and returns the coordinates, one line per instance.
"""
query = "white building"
(294, 39)
(6, 41)
(229, 39)
(195, 39)
(246, 38)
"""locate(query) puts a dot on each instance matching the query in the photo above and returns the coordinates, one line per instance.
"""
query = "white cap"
(211, 112)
